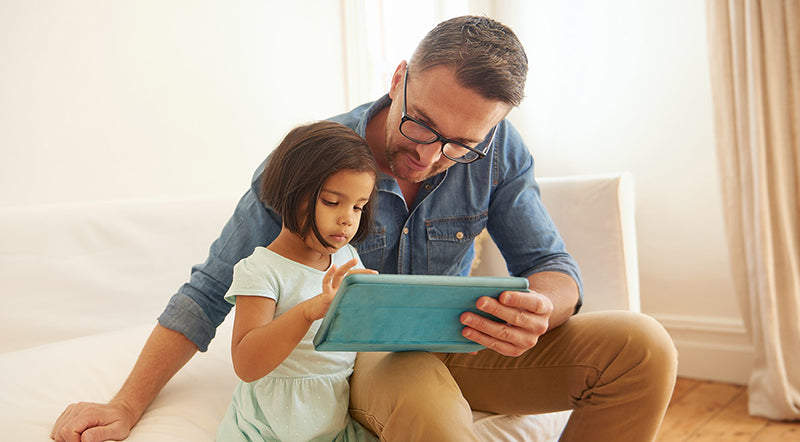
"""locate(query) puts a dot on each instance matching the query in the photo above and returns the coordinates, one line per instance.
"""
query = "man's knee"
(644, 348)
(398, 393)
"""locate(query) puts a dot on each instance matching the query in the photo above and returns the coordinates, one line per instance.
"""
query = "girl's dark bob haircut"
(298, 168)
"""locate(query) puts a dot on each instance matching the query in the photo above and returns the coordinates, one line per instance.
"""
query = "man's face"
(435, 98)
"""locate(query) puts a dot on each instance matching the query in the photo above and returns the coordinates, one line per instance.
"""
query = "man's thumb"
(114, 431)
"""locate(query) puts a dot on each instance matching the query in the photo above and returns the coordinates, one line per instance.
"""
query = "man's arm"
(550, 303)
(164, 353)
(530, 243)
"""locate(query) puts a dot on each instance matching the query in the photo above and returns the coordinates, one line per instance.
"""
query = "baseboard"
(716, 349)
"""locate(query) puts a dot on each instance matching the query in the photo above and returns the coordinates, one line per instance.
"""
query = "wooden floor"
(717, 412)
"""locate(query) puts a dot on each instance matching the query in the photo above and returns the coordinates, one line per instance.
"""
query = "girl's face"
(339, 208)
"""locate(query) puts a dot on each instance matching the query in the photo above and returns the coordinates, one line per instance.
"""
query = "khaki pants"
(615, 369)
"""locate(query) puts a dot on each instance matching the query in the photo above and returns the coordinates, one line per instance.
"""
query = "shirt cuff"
(184, 316)
(566, 267)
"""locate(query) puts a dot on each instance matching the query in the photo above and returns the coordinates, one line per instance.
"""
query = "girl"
(321, 181)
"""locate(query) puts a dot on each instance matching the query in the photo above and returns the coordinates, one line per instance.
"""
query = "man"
(450, 166)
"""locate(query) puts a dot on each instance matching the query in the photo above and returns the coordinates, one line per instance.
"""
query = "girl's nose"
(346, 219)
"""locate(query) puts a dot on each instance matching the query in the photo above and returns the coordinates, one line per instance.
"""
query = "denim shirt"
(435, 237)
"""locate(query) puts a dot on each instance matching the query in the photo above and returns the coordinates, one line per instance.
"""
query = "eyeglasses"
(421, 133)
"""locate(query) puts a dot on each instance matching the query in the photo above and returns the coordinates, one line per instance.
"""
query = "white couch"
(83, 283)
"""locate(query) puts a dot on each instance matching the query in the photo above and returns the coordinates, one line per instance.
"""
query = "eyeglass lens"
(422, 134)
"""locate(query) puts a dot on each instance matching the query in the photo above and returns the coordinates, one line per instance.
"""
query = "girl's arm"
(261, 342)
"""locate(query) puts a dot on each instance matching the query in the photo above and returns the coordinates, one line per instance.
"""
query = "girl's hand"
(318, 305)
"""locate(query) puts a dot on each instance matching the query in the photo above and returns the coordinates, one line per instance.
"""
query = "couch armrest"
(595, 215)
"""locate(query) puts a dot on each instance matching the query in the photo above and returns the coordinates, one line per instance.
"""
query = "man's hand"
(164, 353)
(91, 422)
(527, 316)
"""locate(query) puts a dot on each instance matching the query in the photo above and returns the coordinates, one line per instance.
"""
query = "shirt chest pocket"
(372, 249)
(450, 240)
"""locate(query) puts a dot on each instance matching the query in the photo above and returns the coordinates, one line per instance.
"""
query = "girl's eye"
(359, 209)
(329, 203)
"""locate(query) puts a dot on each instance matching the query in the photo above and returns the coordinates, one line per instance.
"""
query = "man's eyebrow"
(427, 120)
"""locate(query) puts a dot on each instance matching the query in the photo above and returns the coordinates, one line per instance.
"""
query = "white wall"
(111, 99)
(624, 85)
(114, 99)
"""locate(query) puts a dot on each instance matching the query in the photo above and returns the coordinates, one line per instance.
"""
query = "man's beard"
(391, 158)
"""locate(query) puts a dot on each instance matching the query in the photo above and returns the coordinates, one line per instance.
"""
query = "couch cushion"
(38, 383)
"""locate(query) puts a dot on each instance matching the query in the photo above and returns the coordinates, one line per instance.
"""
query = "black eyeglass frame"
(439, 138)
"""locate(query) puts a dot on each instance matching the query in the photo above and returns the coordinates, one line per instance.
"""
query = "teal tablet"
(406, 312)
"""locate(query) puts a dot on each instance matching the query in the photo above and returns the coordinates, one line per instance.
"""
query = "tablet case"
(406, 312)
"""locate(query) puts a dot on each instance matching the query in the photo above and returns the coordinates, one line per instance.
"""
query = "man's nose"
(429, 153)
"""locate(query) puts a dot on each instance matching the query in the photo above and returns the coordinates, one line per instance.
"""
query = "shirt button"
(460, 235)
(427, 187)
(405, 230)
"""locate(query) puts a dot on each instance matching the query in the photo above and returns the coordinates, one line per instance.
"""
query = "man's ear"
(397, 80)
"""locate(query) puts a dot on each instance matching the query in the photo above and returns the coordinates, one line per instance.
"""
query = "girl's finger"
(328, 278)
(342, 272)
(362, 272)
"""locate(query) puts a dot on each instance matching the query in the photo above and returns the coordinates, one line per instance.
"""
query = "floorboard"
(705, 411)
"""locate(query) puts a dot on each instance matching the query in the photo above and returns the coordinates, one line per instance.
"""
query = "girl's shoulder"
(257, 275)
(265, 264)
(352, 251)
(345, 254)
(259, 255)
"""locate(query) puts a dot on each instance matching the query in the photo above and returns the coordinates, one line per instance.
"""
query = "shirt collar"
(374, 108)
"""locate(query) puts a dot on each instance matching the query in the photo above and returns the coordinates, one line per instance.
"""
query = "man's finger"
(511, 315)
(530, 301)
(502, 347)
(114, 431)
(65, 415)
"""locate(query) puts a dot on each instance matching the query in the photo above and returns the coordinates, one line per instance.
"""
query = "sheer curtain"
(379, 34)
(755, 73)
